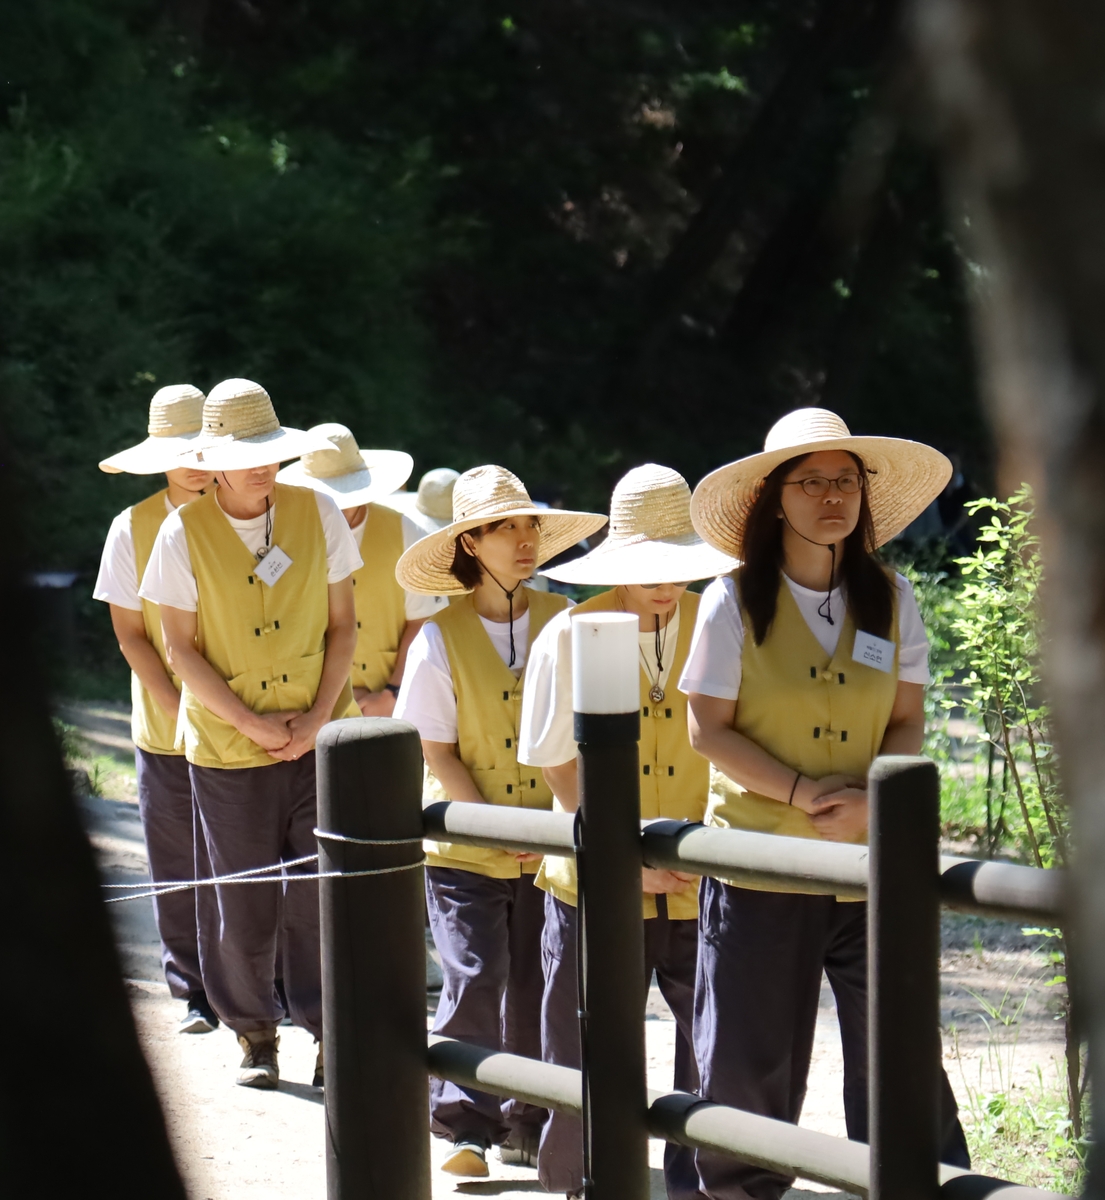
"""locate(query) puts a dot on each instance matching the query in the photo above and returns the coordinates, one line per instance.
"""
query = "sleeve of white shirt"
(426, 697)
(117, 582)
(546, 736)
(417, 606)
(913, 653)
(168, 579)
(343, 556)
(713, 665)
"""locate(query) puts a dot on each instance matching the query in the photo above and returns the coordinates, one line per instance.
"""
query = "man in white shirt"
(164, 789)
(254, 583)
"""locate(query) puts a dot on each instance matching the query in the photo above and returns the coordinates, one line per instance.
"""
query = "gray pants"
(488, 933)
(760, 960)
(671, 948)
(165, 805)
(254, 817)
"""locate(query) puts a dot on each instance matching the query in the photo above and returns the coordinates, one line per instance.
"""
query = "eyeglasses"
(818, 485)
(651, 587)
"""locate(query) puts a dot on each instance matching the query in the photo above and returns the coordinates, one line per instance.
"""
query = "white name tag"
(272, 566)
(873, 651)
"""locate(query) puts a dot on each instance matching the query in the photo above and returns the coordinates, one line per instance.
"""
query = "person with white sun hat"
(388, 617)
(651, 554)
(463, 691)
(256, 595)
(807, 662)
(164, 790)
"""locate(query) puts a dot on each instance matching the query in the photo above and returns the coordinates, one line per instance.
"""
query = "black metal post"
(373, 961)
(612, 934)
(904, 979)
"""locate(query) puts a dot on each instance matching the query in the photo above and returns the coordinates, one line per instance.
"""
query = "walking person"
(785, 701)
(164, 790)
(254, 584)
(463, 692)
(647, 561)
(388, 616)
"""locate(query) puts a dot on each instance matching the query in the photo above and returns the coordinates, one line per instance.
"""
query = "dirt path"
(237, 1144)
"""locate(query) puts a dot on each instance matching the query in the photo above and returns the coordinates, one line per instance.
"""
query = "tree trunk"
(1018, 96)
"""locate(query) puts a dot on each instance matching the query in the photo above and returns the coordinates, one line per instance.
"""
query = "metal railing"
(377, 1053)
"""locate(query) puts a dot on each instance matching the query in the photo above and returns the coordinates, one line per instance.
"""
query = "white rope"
(342, 837)
(184, 883)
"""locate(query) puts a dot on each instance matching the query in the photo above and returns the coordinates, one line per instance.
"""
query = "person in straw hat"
(463, 692)
(431, 507)
(164, 791)
(256, 595)
(651, 554)
(807, 662)
(388, 617)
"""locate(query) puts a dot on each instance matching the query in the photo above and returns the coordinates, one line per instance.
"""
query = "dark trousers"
(760, 959)
(165, 805)
(671, 948)
(488, 933)
(254, 817)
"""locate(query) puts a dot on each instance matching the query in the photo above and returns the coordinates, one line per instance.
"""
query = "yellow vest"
(817, 714)
(268, 643)
(675, 779)
(381, 602)
(489, 708)
(151, 727)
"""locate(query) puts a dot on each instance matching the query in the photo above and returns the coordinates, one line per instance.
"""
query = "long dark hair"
(868, 589)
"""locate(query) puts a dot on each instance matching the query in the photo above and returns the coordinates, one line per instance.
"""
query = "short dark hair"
(466, 569)
(868, 590)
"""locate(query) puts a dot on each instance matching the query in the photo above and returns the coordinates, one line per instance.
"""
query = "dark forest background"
(564, 236)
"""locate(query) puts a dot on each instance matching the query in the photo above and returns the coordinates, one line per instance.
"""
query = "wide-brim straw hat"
(651, 538)
(431, 507)
(351, 477)
(176, 418)
(240, 430)
(903, 477)
(480, 496)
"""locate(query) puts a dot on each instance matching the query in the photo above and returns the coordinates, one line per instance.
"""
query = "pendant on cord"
(656, 695)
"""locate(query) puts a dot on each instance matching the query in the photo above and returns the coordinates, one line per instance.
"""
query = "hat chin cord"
(825, 608)
(509, 594)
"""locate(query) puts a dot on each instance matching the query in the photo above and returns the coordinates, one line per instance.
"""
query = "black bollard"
(373, 961)
(903, 972)
(611, 933)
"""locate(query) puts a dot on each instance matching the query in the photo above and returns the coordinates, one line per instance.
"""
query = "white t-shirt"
(545, 738)
(416, 606)
(169, 579)
(117, 582)
(714, 661)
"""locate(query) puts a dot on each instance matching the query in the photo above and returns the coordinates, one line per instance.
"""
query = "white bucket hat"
(431, 507)
(240, 430)
(651, 538)
(483, 495)
(351, 477)
(176, 417)
(903, 477)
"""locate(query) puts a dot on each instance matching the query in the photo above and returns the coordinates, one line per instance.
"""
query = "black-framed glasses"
(817, 485)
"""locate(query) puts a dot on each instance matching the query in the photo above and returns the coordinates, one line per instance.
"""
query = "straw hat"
(651, 538)
(176, 416)
(351, 477)
(482, 495)
(240, 430)
(903, 477)
(431, 507)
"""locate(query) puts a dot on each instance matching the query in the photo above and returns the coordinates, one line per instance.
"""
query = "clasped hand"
(286, 736)
(837, 806)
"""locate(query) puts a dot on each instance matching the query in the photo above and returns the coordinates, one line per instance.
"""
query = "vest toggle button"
(828, 676)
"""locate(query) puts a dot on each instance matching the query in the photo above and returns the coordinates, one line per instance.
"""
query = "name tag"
(873, 651)
(272, 566)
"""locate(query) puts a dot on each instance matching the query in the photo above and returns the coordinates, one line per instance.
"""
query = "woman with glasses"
(650, 554)
(807, 662)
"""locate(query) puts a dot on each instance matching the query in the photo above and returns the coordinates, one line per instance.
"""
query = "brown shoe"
(318, 1080)
(259, 1067)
